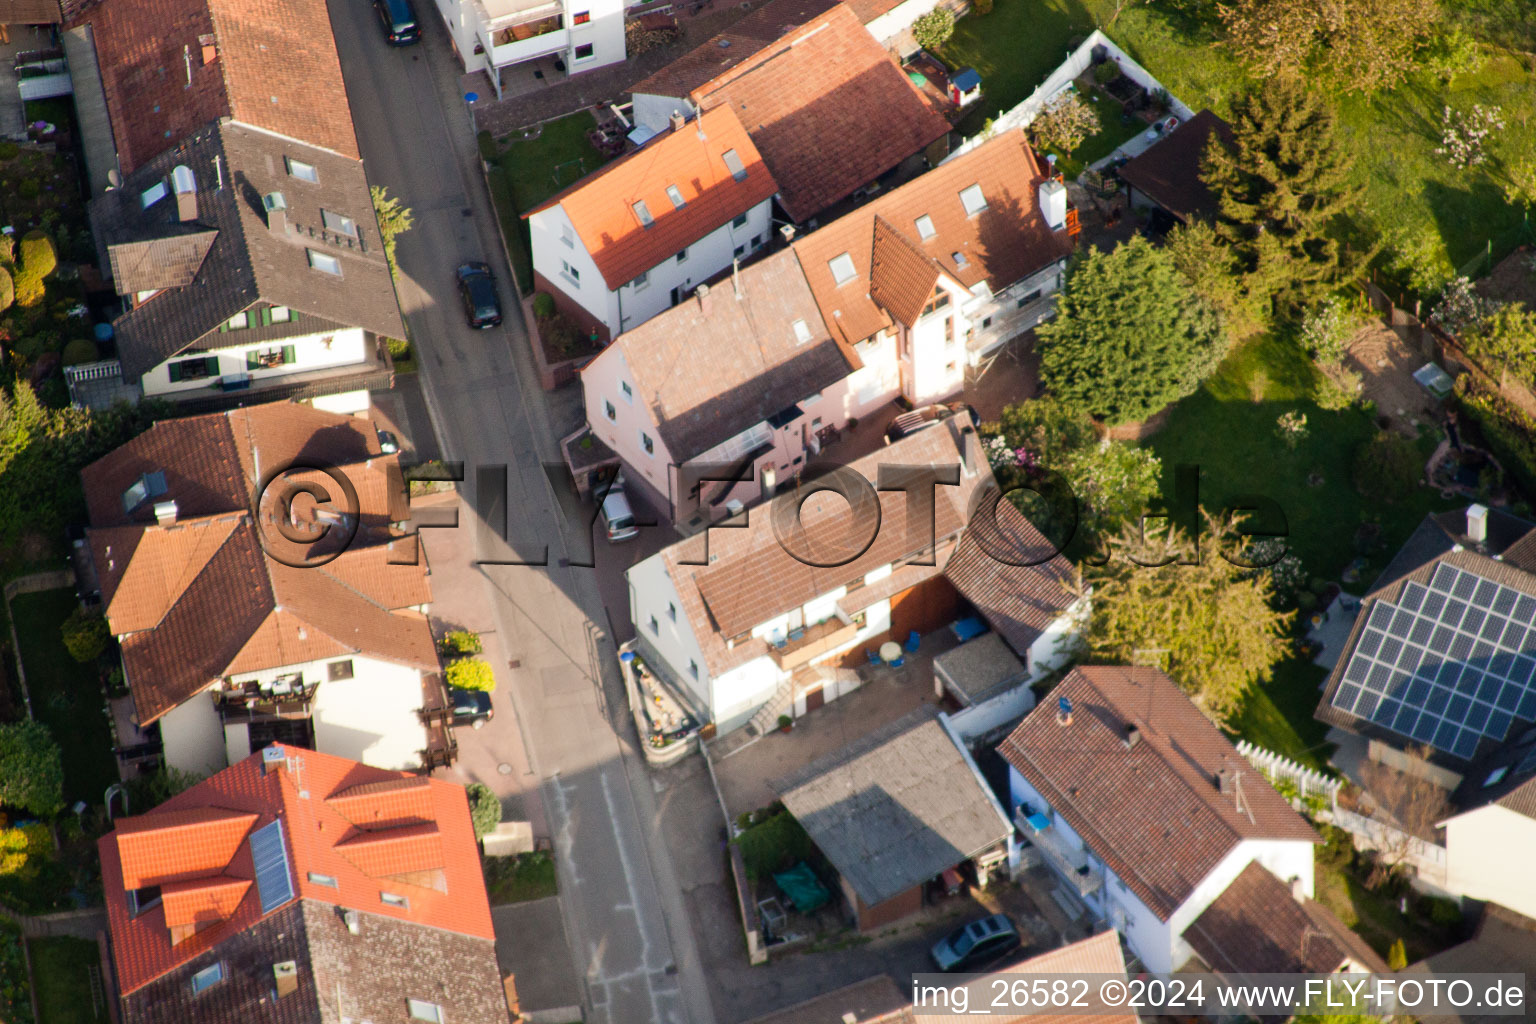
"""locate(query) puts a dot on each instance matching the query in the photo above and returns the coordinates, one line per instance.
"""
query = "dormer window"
(841, 266)
(925, 228)
(644, 213)
(973, 201)
(152, 195)
(734, 165)
(143, 899)
(960, 260)
(676, 195)
(301, 170)
(148, 485)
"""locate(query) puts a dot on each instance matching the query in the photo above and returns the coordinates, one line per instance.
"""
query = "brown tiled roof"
(901, 276)
(1505, 943)
(1169, 172)
(273, 65)
(245, 264)
(197, 847)
(199, 599)
(828, 108)
(750, 577)
(157, 263)
(1152, 812)
(1002, 244)
(1099, 954)
(1521, 799)
(1019, 601)
(753, 367)
(726, 50)
(30, 12)
(601, 206)
(1257, 927)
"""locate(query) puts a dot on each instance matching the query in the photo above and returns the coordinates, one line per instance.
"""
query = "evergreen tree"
(1281, 187)
(1129, 337)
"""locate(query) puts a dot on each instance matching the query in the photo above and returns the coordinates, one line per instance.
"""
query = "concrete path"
(557, 673)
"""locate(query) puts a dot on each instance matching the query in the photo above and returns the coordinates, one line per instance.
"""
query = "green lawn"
(61, 971)
(525, 172)
(1112, 133)
(519, 878)
(1013, 48)
(66, 695)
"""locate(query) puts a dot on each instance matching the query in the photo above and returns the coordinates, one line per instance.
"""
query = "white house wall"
(1052, 648)
(898, 19)
(999, 318)
(555, 246)
(652, 595)
(936, 366)
(311, 352)
(602, 384)
(1483, 859)
(193, 736)
(604, 32)
(372, 717)
(738, 694)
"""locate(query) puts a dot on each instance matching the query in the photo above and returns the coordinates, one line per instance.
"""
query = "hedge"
(1509, 432)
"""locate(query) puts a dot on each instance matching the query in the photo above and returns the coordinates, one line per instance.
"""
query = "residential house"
(1143, 809)
(509, 39)
(937, 275)
(739, 625)
(1494, 815)
(634, 238)
(753, 404)
(1505, 943)
(298, 886)
(234, 634)
(251, 269)
(826, 106)
(1166, 177)
(894, 810)
(238, 204)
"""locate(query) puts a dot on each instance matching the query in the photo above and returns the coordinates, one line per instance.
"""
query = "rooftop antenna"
(186, 56)
(218, 171)
(698, 120)
(1237, 797)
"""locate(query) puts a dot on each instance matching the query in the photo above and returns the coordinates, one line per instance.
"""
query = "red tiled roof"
(1153, 811)
(1004, 243)
(901, 276)
(828, 108)
(385, 804)
(213, 874)
(169, 67)
(601, 206)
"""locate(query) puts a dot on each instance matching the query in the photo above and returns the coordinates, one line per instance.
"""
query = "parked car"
(471, 707)
(618, 516)
(909, 423)
(478, 289)
(399, 20)
(976, 944)
(389, 444)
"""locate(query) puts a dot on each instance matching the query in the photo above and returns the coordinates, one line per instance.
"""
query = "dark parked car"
(909, 423)
(478, 289)
(471, 707)
(399, 20)
(976, 944)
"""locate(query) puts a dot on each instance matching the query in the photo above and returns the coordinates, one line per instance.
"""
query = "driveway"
(557, 677)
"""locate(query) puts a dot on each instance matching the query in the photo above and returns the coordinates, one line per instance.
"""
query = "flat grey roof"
(979, 668)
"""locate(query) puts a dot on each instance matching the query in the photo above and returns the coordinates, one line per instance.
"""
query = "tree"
(1209, 624)
(38, 260)
(1064, 123)
(31, 769)
(460, 641)
(1408, 803)
(933, 29)
(7, 290)
(1210, 265)
(394, 221)
(1114, 482)
(1505, 340)
(1045, 428)
(86, 635)
(1281, 188)
(1361, 45)
(484, 808)
(1130, 335)
(471, 674)
(1397, 955)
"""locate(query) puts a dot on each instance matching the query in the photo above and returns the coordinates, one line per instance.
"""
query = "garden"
(520, 877)
(66, 974)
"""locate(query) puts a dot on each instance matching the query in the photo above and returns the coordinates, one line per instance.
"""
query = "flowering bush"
(1286, 573)
(1460, 309)
(1001, 455)
(1464, 133)
(1291, 427)
(1326, 330)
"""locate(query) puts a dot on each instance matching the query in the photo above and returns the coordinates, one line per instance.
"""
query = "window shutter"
(175, 371)
(252, 360)
(211, 364)
(293, 316)
(288, 356)
(224, 327)
(266, 316)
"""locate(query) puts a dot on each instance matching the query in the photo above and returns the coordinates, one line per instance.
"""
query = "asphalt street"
(632, 945)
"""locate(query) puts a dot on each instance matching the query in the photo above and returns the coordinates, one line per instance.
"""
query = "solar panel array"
(274, 878)
(1447, 664)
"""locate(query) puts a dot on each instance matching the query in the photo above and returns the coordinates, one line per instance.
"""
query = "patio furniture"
(968, 628)
(890, 652)
(772, 913)
(873, 656)
(914, 641)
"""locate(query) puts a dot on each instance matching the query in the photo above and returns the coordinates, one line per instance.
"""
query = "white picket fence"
(1276, 767)
(1078, 61)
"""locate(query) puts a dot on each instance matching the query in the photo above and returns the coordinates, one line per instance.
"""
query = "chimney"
(186, 206)
(1477, 523)
(286, 978)
(165, 513)
(702, 293)
(353, 921)
(1132, 736)
(971, 458)
(1063, 711)
(678, 120)
(1226, 781)
(1053, 204)
(788, 231)
(272, 759)
(277, 212)
(1298, 890)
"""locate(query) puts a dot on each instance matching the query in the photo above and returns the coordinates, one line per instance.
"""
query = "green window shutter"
(288, 356)
(211, 364)
(251, 360)
(224, 327)
(266, 316)
(175, 371)
(293, 316)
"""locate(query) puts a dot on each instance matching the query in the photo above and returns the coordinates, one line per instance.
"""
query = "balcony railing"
(291, 700)
(812, 642)
(517, 43)
(1068, 860)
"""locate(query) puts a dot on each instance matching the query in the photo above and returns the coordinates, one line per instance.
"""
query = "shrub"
(1442, 912)
(1326, 330)
(981, 6)
(7, 290)
(933, 29)
(484, 808)
(461, 642)
(773, 845)
(543, 305)
(38, 260)
(1452, 52)
(1106, 72)
(1509, 432)
(1337, 387)
(22, 850)
(31, 769)
(561, 334)
(85, 635)
(399, 348)
(1465, 134)
(81, 350)
(8, 150)
(471, 674)
(487, 145)
(1387, 467)
(1397, 956)
(29, 188)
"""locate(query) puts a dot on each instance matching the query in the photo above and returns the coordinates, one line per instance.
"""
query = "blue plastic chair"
(874, 657)
(898, 663)
(913, 641)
